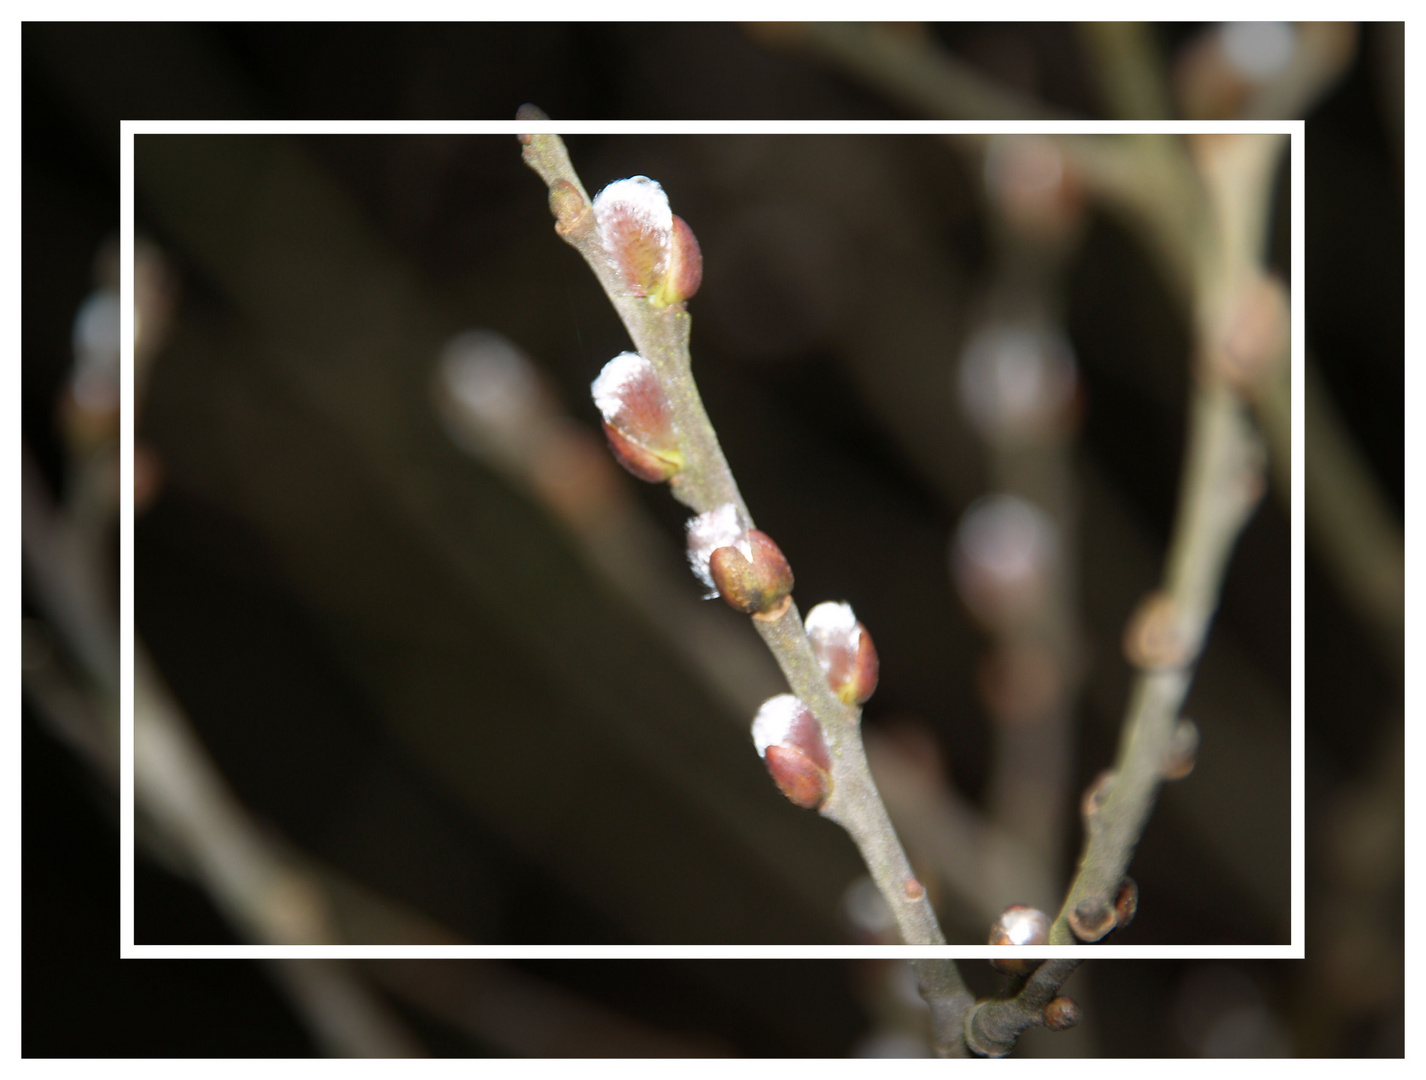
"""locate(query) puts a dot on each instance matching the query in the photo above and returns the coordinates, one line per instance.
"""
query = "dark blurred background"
(424, 665)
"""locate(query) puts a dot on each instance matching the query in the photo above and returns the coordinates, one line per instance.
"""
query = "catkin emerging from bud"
(737, 562)
(636, 418)
(709, 531)
(789, 738)
(844, 649)
(654, 251)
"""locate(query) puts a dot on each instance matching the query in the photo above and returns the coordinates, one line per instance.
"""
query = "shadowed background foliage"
(406, 665)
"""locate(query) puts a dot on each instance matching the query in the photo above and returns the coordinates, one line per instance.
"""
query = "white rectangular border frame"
(1295, 130)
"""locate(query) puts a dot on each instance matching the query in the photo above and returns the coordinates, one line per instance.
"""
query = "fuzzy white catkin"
(619, 373)
(833, 625)
(774, 721)
(636, 202)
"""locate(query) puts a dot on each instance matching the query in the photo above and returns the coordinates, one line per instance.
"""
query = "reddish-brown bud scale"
(1019, 924)
(1256, 337)
(751, 584)
(1126, 903)
(789, 738)
(685, 265)
(1034, 184)
(796, 776)
(845, 650)
(1061, 1014)
(636, 418)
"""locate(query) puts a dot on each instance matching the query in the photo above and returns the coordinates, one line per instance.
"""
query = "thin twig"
(993, 1027)
(1141, 178)
(1124, 59)
(1219, 492)
(1348, 519)
(1222, 483)
(913, 68)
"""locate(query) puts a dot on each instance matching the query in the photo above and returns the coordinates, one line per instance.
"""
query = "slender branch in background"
(1015, 551)
(1124, 58)
(186, 812)
(1222, 482)
(1347, 517)
(904, 61)
(648, 263)
(1142, 179)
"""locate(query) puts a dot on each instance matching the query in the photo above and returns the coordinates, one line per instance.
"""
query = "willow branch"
(704, 483)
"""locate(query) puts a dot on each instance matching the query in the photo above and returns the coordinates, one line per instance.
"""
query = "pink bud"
(845, 650)
(636, 418)
(1003, 557)
(685, 265)
(655, 253)
(789, 738)
(1018, 382)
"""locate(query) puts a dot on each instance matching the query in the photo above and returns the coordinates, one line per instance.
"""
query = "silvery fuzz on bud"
(790, 741)
(844, 649)
(1019, 924)
(636, 415)
(653, 250)
(737, 562)
(711, 530)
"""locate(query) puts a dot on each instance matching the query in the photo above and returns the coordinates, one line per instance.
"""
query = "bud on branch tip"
(636, 418)
(789, 738)
(654, 251)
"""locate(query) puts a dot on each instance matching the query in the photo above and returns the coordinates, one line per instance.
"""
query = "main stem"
(661, 336)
